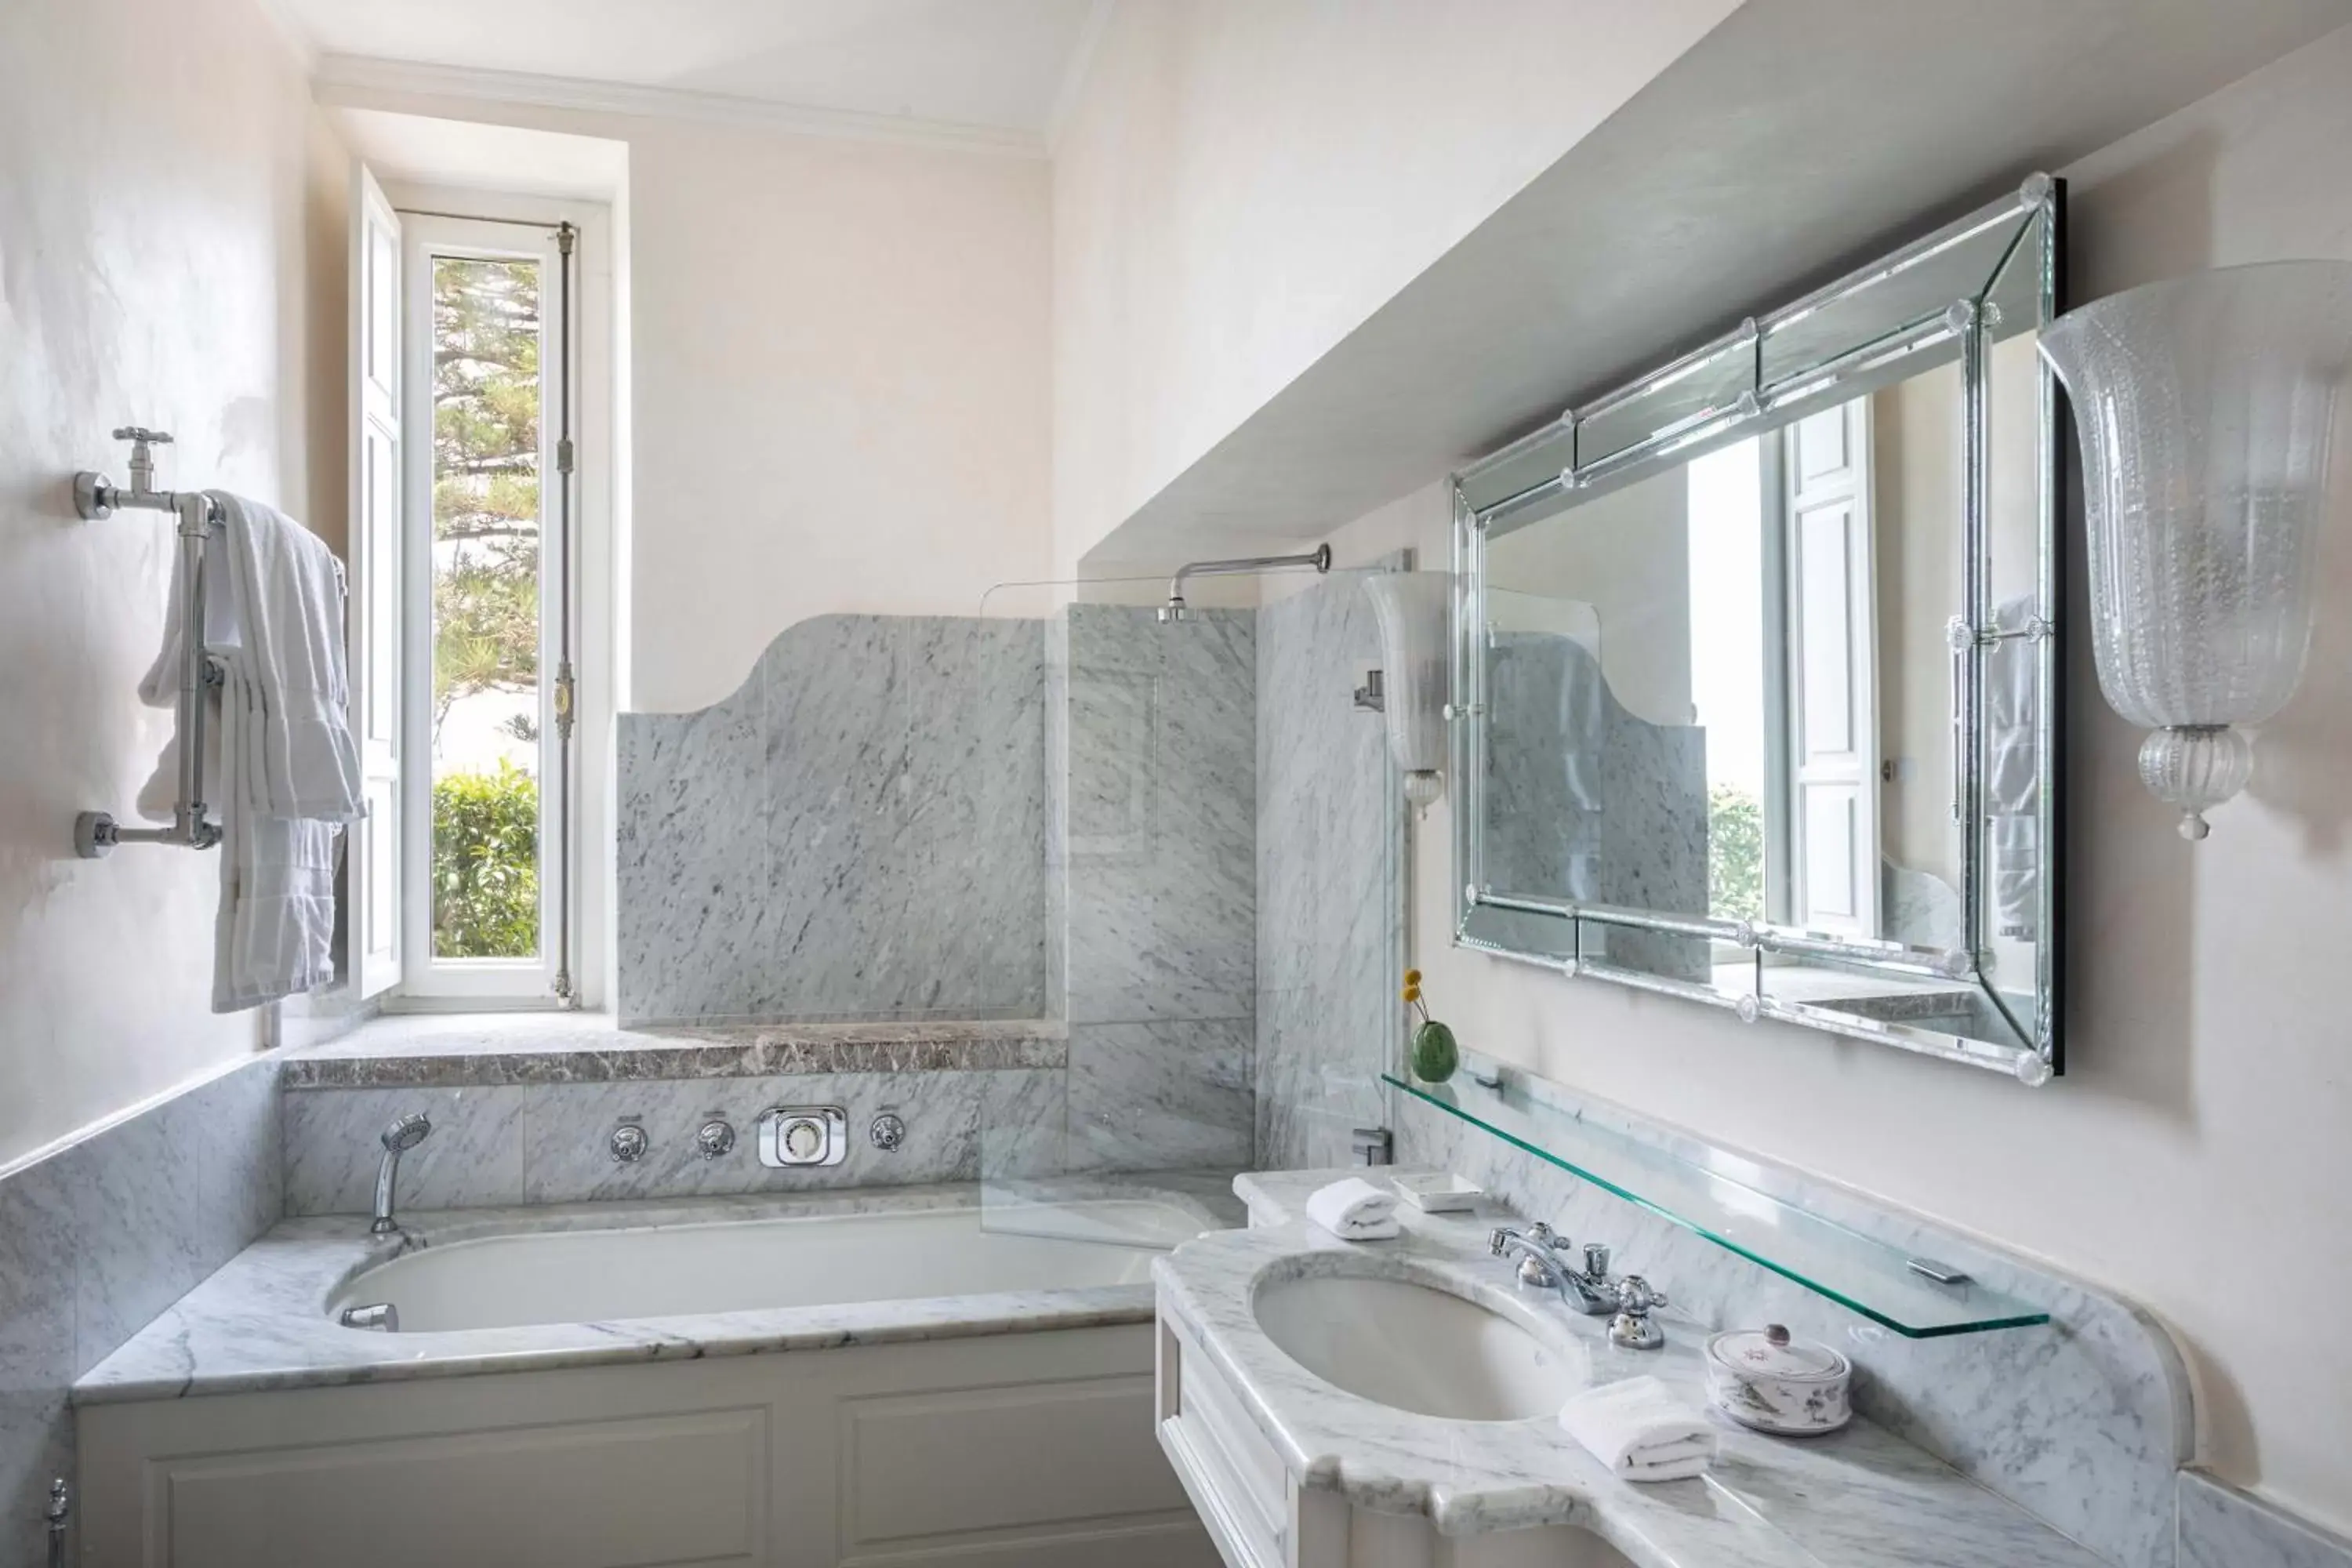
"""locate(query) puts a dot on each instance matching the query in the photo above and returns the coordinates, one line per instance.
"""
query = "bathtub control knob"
(630, 1143)
(804, 1141)
(715, 1139)
(887, 1131)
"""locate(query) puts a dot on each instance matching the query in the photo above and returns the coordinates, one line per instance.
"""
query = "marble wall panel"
(1164, 1095)
(97, 1238)
(858, 831)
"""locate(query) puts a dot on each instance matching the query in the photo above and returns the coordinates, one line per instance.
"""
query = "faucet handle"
(1543, 1234)
(1596, 1260)
(1636, 1295)
(143, 435)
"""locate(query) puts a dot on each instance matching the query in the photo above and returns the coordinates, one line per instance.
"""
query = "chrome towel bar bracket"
(97, 497)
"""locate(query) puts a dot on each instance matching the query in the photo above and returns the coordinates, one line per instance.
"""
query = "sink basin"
(1420, 1347)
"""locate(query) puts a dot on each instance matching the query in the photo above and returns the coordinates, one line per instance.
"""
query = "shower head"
(406, 1133)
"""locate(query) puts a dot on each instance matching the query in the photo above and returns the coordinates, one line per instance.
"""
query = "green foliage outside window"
(1735, 854)
(486, 597)
(485, 865)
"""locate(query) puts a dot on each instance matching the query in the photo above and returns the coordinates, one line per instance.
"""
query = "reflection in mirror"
(1768, 712)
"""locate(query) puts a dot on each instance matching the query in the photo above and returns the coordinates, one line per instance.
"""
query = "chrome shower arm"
(1320, 559)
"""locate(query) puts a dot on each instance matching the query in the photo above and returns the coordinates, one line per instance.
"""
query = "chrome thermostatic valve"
(716, 1137)
(629, 1143)
(804, 1135)
(889, 1132)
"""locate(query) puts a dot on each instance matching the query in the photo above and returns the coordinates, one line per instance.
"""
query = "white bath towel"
(1354, 1210)
(281, 767)
(1641, 1431)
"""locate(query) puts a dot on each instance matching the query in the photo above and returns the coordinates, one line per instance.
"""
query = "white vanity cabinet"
(1259, 1515)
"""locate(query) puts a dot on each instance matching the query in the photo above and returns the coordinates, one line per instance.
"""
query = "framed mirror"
(1756, 664)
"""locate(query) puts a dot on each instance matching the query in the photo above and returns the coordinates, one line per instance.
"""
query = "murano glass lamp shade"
(2208, 410)
(1411, 608)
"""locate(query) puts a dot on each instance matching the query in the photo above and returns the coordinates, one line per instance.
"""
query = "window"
(490, 613)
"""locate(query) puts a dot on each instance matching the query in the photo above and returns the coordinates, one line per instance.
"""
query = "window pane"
(486, 603)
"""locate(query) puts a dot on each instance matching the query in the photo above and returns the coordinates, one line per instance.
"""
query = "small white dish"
(1764, 1379)
(1441, 1193)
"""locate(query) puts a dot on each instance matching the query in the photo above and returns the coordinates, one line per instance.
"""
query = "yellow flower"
(1412, 993)
(1413, 977)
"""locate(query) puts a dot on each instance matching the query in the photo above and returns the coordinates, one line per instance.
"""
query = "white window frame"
(427, 230)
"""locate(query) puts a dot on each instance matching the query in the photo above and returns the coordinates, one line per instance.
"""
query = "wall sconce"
(2205, 408)
(1412, 609)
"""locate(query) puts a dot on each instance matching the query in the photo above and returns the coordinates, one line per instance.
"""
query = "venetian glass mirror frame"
(1976, 980)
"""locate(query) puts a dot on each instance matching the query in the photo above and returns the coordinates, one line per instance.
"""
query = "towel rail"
(96, 497)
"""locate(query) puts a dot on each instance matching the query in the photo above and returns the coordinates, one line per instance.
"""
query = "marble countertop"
(261, 1322)
(1861, 1498)
(422, 1051)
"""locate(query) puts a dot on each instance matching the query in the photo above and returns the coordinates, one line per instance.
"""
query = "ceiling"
(1004, 66)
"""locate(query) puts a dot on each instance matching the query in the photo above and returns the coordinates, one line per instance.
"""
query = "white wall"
(170, 255)
(838, 362)
(2195, 1155)
(1242, 182)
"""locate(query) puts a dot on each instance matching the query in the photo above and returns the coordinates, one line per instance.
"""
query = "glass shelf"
(1881, 1282)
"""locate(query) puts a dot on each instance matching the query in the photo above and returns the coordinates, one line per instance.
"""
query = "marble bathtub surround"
(261, 1322)
(504, 1144)
(2082, 1421)
(1330, 905)
(98, 1238)
(2220, 1527)
(574, 1047)
(1861, 1498)
(858, 831)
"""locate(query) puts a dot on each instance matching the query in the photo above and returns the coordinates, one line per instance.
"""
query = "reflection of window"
(1726, 609)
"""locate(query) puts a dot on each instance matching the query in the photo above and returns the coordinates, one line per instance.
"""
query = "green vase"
(1434, 1054)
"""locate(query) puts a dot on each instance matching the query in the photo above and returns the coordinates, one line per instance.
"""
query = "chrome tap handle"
(143, 435)
(1596, 1260)
(1636, 1295)
(1542, 1235)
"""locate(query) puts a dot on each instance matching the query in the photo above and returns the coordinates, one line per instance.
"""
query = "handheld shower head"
(407, 1133)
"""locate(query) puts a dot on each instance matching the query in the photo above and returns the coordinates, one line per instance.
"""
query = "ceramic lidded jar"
(1765, 1379)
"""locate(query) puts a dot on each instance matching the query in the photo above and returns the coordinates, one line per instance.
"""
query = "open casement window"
(485, 618)
(372, 853)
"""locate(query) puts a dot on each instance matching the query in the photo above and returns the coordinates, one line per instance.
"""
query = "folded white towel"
(1641, 1431)
(281, 767)
(1354, 1210)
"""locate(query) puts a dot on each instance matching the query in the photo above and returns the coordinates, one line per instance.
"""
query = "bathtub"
(604, 1275)
(775, 1381)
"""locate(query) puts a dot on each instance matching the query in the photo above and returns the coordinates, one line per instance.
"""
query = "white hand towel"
(1641, 1431)
(1354, 1210)
(280, 769)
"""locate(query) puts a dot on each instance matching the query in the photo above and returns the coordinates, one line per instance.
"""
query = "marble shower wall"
(2082, 1421)
(858, 831)
(1329, 902)
(99, 1239)
(1155, 844)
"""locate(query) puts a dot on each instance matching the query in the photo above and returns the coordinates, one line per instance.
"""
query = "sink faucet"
(402, 1135)
(1544, 1265)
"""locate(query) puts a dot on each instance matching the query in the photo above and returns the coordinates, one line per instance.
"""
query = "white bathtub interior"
(596, 1275)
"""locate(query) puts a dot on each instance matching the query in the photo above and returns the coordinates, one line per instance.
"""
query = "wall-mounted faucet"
(402, 1135)
(1175, 609)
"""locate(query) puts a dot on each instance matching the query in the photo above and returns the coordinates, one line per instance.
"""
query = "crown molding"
(1074, 72)
(337, 73)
